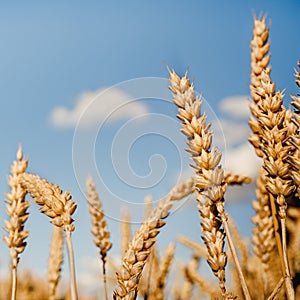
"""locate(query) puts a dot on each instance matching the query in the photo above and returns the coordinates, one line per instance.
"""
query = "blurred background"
(84, 90)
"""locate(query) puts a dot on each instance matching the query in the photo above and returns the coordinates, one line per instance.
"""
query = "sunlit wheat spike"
(199, 140)
(16, 210)
(99, 229)
(55, 203)
(55, 261)
(260, 59)
(99, 224)
(210, 185)
(274, 136)
(139, 249)
(60, 207)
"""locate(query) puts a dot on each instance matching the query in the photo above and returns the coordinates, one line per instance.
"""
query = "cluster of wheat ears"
(268, 268)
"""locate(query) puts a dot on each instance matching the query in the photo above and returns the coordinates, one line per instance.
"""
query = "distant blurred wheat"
(271, 271)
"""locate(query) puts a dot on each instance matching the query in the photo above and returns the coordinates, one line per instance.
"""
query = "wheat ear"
(265, 217)
(56, 259)
(99, 225)
(276, 148)
(57, 205)
(209, 180)
(16, 209)
(144, 238)
(260, 59)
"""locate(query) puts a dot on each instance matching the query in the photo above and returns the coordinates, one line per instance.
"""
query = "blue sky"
(54, 54)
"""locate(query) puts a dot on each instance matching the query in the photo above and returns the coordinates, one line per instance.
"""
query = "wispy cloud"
(236, 106)
(92, 108)
(239, 156)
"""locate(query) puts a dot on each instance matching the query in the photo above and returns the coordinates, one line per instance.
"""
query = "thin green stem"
(73, 286)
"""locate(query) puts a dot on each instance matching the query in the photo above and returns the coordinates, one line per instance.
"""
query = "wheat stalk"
(16, 209)
(144, 238)
(99, 225)
(55, 260)
(57, 205)
(209, 180)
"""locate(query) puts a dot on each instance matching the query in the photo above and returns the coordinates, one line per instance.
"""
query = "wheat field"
(266, 268)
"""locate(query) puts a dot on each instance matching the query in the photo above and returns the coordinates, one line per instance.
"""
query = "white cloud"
(236, 106)
(242, 160)
(228, 133)
(92, 108)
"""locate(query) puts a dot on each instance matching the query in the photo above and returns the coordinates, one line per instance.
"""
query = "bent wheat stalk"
(16, 209)
(144, 238)
(57, 205)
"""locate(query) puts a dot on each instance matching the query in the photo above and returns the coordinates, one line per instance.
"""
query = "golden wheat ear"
(16, 209)
(210, 184)
(99, 225)
(60, 207)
